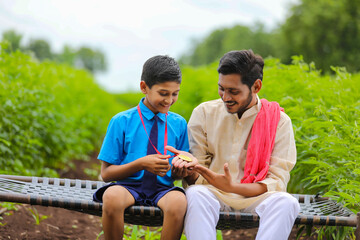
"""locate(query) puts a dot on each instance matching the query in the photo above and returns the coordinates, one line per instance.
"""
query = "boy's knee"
(176, 205)
(175, 210)
(114, 201)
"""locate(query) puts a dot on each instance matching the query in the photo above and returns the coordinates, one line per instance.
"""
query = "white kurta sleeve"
(198, 137)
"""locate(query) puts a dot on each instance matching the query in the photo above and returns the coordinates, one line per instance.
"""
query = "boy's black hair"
(159, 69)
(245, 63)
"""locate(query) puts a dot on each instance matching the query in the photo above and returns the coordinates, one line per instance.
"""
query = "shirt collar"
(147, 113)
(254, 109)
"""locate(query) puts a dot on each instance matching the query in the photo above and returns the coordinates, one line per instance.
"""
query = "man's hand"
(224, 182)
(221, 181)
(156, 163)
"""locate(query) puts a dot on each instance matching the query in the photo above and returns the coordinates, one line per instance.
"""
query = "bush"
(49, 114)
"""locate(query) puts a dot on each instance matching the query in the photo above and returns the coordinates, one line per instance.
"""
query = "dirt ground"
(64, 224)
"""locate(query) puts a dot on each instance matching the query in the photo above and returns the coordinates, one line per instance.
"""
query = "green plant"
(99, 235)
(92, 173)
(37, 217)
(9, 206)
(50, 113)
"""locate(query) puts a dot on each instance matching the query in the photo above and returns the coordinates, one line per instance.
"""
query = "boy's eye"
(163, 94)
(175, 94)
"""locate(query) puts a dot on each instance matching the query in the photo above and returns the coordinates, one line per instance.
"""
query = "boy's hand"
(182, 168)
(157, 164)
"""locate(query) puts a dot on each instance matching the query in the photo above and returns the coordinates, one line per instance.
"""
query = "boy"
(133, 153)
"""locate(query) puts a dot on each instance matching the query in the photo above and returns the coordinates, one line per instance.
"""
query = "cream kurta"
(217, 137)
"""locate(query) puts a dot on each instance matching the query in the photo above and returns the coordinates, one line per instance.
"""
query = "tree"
(324, 31)
(92, 60)
(67, 55)
(41, 49)
(220, 41)
(13, 38)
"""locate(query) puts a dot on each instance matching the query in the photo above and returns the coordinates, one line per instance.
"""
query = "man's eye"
(234, 93)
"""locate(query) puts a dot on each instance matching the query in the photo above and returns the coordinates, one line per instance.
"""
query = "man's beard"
(243, 107)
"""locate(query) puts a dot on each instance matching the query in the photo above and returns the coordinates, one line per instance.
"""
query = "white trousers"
(277, 215)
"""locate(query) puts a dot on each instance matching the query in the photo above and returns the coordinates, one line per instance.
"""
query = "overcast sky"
(130, 32)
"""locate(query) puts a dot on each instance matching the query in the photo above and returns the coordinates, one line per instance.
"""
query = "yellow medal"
(185, 158)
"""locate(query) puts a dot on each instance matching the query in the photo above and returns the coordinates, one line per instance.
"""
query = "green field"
(53, 113)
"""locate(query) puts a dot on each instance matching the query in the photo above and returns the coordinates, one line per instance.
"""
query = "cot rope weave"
(77, 195)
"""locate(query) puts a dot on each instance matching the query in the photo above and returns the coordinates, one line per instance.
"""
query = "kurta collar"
(253, 110)
(147, 113)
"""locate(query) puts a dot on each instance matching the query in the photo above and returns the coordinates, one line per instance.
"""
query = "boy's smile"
(160, 96)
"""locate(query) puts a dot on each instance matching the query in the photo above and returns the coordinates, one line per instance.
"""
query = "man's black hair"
(159, 69)
(245, 63)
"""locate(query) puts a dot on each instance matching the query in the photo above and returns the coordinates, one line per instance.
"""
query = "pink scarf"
(261, 142)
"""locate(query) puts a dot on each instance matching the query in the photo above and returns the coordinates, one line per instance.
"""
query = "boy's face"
(160, 96)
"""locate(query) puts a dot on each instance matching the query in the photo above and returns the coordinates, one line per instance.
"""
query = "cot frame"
(76, 195)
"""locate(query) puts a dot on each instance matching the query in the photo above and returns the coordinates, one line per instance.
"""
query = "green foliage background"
(52, 113)
(49, 114)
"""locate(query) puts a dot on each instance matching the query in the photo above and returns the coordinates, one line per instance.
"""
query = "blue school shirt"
(126, 139)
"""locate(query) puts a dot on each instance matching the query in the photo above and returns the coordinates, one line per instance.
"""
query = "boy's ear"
(143, 87)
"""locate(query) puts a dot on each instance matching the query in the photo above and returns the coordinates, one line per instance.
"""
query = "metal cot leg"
(357, 231)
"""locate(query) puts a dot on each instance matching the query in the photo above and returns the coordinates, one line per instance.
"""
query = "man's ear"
(143, 87)
(256, 87)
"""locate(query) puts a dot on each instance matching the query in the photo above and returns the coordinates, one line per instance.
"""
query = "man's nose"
(226, 96)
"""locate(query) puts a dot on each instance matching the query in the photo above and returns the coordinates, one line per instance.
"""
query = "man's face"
(237, 96)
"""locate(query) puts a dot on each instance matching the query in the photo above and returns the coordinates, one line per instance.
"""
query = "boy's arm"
(155, 163)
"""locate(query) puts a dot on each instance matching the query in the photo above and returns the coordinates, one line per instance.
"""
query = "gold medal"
(185, 158)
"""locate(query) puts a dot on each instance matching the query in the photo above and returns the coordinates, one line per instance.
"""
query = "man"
(245, 148)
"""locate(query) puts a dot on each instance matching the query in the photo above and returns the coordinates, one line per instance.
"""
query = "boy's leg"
(202, 213)
(277, 216)
(115, 200)
(173, 204)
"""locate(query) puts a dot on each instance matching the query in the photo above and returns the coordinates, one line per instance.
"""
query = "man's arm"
(224, 182)
(283, 159)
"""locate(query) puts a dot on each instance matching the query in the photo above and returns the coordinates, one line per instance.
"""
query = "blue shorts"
(136, 191)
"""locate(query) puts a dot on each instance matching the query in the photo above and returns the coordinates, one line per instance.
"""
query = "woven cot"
(74, 194)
